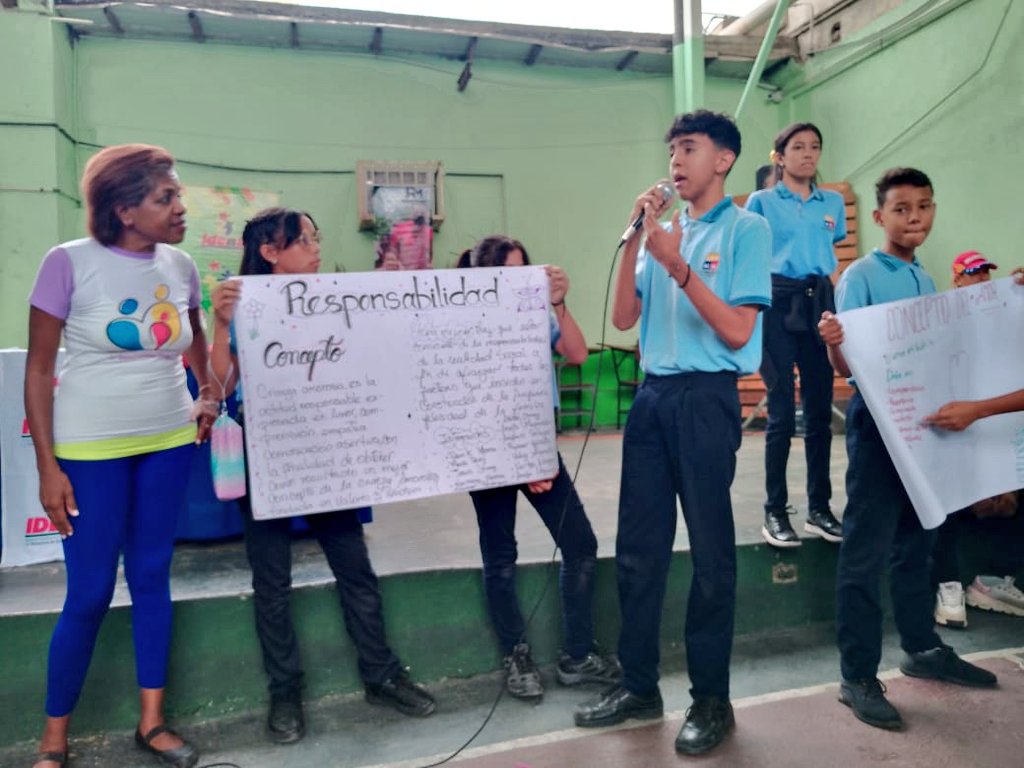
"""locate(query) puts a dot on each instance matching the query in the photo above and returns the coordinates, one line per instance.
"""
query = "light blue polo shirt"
(730, 250)
(879, 278)
(803, 231)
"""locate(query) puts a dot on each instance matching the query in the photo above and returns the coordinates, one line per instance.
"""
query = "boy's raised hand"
(955, 416)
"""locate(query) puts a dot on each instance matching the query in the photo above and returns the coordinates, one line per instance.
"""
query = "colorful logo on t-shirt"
(830, 223)
(159, 325)
(710, 263)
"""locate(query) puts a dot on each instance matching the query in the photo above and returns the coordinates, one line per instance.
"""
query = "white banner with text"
(911, 357)
(374, 387)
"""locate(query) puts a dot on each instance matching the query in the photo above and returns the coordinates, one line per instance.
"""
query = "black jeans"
(681, 439)
(880, 528)
(782, 350)
(268, 546)
(496, 516)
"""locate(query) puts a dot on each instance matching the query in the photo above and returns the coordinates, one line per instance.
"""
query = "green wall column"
(688, 56)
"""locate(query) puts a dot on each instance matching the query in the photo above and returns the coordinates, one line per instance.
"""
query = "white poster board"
(28, 535)
(911, 357)
(382, 386)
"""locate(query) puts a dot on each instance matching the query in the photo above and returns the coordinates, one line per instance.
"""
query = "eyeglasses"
(308, 240)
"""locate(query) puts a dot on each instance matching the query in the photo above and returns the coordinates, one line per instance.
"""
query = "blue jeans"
(562, 512)
(782, 350)
(681, 439)
(880, 528)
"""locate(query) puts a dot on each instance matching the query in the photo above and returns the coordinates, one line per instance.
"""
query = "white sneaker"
(991, 593)
(950, 610)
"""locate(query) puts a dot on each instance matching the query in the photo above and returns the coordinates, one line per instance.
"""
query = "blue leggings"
(129, 504)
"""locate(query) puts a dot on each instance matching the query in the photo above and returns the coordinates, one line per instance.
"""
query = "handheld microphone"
(667, 192)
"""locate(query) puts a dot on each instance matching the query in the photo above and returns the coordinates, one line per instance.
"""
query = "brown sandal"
(60, 758)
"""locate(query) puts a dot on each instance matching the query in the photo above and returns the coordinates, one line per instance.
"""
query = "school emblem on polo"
(830, 223)
(710, 263)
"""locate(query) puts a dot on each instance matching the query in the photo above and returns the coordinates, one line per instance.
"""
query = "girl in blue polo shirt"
(805, 221)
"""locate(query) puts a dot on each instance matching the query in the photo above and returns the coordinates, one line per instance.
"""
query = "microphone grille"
(667, 191)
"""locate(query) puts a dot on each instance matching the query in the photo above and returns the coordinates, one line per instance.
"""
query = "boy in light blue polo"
(697, 288)
(880, 526)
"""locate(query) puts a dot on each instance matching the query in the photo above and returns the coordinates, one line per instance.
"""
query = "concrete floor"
(441, 532)
(783, 683)
(784, 690)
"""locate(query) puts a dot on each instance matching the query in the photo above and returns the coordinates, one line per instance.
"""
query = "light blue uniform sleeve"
(852, 291)
(754, 203)
(751, 278)
(840, 216)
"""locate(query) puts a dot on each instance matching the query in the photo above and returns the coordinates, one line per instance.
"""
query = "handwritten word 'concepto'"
(422, 295)
(939, 309)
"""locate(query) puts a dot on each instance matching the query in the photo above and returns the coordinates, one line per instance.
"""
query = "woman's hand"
(58, 499)
(1018, 275)
(204, 412)
(559, 283)
(224, 297)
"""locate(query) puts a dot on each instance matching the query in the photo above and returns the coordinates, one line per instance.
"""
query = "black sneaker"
(943, 664)
(777, 530)
(823, 523)
(522, 678)
(616, 705)
(707, 723)
(867, 700)
(402, 694)
(592, 668)
(285, 721)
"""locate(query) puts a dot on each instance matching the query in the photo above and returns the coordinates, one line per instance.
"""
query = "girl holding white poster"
(283, 241)
(558, 505)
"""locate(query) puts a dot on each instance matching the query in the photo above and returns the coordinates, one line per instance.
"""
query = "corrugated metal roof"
(244, 22)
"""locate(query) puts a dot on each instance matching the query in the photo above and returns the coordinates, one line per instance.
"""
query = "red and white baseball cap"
(970, 263)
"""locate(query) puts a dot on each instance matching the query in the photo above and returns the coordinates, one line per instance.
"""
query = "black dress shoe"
(185, 756)
(617, 705)
(943, 664)
(777, 530)
(708, 721)
(401, 693)
(823, 523)
(867, 700)
(285, 722)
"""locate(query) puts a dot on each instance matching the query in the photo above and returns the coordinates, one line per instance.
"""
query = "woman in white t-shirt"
(114, 440)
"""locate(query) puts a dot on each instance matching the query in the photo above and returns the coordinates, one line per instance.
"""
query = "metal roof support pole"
(762, 55)
(688, 56)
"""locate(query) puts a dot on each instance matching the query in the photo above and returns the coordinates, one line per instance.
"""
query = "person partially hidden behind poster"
(115, 441)
(282, 241)
(698, 288)
(880, 526)
(996, 522)
(561, 510)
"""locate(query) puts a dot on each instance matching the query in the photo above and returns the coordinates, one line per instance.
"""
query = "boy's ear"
(726, 160)
(876, 215)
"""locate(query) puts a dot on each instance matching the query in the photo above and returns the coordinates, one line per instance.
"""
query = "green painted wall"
(932, 101)
(554, 156)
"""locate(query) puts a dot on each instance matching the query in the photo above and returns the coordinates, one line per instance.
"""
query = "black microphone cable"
(552, 562)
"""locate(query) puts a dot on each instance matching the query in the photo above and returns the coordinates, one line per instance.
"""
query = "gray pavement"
(440, 532)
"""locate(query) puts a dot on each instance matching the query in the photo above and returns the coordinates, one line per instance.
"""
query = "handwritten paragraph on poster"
(911, 357)
(374, 387)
